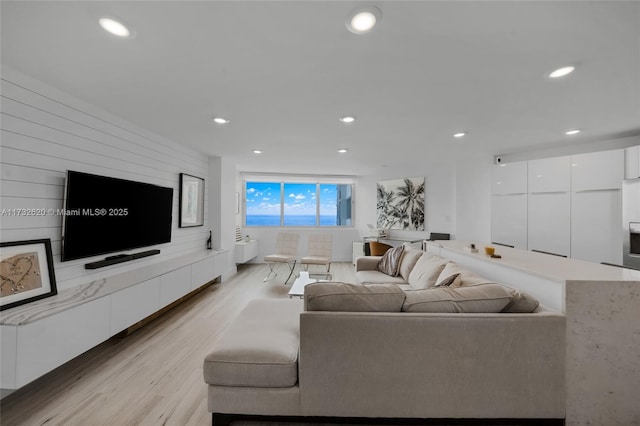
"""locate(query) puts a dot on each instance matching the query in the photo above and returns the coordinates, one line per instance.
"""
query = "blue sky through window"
(263, 204)
(300, 204)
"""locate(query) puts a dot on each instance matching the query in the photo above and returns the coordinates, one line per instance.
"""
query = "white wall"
(46, 132)
(473, 198)
(222, 210)
(439, 198)
(440, 211)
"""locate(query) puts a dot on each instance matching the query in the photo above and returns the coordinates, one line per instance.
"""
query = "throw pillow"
(449, 281)
(390, 262)
(345, 297)
(467, 278)
(409, 258)
(523, 304)
(426, 271)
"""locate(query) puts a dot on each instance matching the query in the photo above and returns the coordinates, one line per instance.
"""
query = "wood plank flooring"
(152, 376)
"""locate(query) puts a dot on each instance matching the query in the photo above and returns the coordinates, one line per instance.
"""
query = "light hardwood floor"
(152, 376)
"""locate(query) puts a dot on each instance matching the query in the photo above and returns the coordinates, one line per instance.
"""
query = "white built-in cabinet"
(134, 304)
(246, 250)
(509, 179)
(549, 206)
(509, 204)
(597, 170)
(40, 336)
(46, 344)
(596, 200)
(174, 285)
(596, 226)
(549, 175)
(570, 205)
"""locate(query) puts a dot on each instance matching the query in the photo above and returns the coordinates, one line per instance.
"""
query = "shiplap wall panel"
(45, 133)
(10, 172)
(112, 126)
(10, 188)
(31, 140)
(19, 156)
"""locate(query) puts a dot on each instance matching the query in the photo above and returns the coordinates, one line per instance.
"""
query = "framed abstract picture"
(400, 204)
(191, 201)
(26, 272)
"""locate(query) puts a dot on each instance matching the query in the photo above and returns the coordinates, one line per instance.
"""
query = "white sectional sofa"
(378, 351)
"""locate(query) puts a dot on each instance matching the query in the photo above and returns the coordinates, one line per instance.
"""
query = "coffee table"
(297, 288)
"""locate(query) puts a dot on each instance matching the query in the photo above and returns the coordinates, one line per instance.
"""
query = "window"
(263, 204)
(335, 205)
(298, 204)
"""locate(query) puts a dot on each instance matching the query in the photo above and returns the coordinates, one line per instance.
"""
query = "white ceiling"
(284, 71)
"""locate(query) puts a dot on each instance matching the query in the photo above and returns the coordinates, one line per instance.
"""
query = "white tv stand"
(40, 336)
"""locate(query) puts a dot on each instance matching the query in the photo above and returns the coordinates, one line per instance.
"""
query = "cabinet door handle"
(548, 252)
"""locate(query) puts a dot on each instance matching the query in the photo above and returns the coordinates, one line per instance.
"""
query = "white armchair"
(286, 252)
(319, 251)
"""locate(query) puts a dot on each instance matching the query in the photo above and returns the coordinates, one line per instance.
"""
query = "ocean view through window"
(295, 204)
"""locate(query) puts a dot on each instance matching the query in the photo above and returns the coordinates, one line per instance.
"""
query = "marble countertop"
(547, 266)
(68, 298)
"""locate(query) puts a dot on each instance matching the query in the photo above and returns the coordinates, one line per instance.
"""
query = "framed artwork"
(26, 272)
(191, 201)
(400, 204)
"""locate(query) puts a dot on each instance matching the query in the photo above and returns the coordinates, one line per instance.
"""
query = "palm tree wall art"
(401, 204)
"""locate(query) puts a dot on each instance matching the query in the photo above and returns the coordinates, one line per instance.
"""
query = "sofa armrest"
(356, 364)
(367, 263)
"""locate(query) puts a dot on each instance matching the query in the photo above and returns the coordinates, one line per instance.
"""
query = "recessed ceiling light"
(115, 27)
(348, 119)
(561, 72)
(343, 150)
(572, 132)
(459, 135)
(361, 20)
(220, 120)
(257, 151)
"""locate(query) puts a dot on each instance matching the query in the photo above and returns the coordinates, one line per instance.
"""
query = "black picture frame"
(191, 211)
(26, 272)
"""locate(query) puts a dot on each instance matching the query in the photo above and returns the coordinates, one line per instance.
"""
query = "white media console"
(40, 336)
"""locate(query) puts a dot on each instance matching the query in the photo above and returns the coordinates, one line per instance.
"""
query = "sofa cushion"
(390, 262)
(408, 261)
(485, 298)
(259, 348)
(377, 277)
(450, 281)
(345, 297)
(467, 278)
(426, 271)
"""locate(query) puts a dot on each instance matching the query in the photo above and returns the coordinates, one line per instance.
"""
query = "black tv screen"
(107, 215)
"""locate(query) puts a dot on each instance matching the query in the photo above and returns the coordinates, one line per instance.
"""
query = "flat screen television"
(107, 215)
